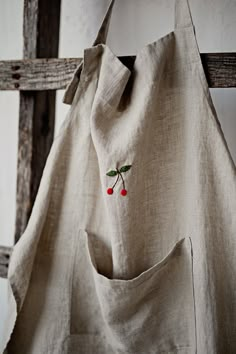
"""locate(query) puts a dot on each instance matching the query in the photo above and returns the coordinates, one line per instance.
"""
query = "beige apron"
(131, 245)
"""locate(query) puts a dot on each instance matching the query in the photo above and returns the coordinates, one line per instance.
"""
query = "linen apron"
(151, 270)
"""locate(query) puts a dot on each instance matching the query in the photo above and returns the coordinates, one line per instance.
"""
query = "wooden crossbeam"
(54, 74)
(36, 74)
(5, 253)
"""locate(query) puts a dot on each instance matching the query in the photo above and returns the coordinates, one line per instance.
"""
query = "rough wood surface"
(220, 69)
(37, 74)
(5, 253)
(54, 74)
(37, 109)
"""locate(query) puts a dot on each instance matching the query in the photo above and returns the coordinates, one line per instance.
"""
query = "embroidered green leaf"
(125, 168)
(112, 173)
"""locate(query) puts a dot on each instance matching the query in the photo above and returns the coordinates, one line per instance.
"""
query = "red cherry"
(123, 192)
(110, 191)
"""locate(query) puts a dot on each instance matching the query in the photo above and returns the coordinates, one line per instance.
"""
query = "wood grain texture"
(5, 253)
(37, 109)
(37, 74)
(54, 74)
(220, 69)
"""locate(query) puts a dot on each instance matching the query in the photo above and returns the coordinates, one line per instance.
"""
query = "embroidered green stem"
(123, 182)
(116, 181)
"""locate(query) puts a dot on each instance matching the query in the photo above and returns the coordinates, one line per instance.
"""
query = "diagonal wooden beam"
(37, 109)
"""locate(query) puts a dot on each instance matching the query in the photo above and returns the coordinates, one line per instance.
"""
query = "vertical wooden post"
(37, 109)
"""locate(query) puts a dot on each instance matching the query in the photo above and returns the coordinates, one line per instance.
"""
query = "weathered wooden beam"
(220, 69)
(54, 74)
(37, 109)
(37, 74)
(5, 253)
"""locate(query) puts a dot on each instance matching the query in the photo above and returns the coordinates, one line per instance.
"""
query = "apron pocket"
(151, 313)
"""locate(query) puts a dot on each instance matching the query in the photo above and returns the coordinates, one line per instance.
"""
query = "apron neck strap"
(103, 30)
(183, 16)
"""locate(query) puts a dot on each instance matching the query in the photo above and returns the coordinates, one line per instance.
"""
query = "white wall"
(11, 17)
(134, 23)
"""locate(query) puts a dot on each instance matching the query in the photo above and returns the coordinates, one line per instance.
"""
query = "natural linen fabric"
(150, 272)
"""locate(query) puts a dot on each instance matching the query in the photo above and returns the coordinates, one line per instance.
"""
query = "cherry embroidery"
(110, 191)
(123, 192)
(118, 173)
